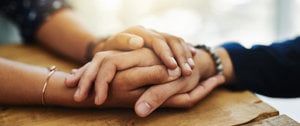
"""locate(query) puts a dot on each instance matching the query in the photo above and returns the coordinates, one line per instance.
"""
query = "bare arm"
(21, 84)
(63, 33)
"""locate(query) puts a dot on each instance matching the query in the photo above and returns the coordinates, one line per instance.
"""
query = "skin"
(63, 33)
(26, 87)
(107, 63)
(21, 84)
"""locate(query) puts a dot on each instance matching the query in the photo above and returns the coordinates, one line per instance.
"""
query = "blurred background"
(212, 22)
(197, 21)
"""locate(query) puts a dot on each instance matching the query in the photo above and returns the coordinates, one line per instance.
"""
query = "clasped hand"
(143, 79)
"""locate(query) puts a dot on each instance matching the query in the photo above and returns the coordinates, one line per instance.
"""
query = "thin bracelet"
(51, 69)
(216, 58)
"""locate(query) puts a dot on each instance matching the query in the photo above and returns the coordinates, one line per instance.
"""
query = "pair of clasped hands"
(145, 69)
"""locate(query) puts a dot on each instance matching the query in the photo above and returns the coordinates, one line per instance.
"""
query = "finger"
(157, 43)
(85, 82)
(73, 79)
(182, 54)
(188, 53)
(188, 100)
(192, 49)
(153, 97)
(109, 66)
(89, 75)
(124, 41)
(138, 77)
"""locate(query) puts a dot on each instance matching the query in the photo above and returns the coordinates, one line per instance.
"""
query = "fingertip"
(174, 73)
(191, 62)
(171, 63)
(186, 70)
(77, 96)
(99, 100)
(193, 50)
(101, 93)
(69, 81)
(143, 109)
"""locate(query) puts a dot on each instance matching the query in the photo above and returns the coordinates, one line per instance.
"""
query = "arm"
(21, 84)
(270, 70)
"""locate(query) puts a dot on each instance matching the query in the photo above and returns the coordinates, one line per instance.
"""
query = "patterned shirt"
(30, 14)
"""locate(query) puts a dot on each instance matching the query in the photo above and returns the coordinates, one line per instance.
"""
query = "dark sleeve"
(30, 14)
(269, 70)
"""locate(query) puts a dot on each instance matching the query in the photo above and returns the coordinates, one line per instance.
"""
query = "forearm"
(22, 84)
(64, 34)
(270, 70)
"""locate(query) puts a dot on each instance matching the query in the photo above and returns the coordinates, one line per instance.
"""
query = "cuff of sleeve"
(244, 65)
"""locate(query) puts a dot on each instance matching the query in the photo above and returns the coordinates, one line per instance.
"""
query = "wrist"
(206, 64)
(227, 65)
(59, 95)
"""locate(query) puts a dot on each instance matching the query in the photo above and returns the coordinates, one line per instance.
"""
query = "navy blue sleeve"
(30, 14)
(269, 70)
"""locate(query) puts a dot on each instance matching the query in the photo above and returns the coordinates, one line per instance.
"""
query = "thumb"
(124, 41)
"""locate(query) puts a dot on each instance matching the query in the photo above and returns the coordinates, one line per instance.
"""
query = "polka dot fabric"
(30, 14)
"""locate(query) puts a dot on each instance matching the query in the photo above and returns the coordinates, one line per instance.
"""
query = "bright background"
(202, 21)
(197, 21)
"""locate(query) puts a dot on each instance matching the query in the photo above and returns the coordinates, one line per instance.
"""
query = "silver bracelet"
(216, 58)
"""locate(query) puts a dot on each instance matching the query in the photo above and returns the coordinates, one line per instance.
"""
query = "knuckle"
(108, 59)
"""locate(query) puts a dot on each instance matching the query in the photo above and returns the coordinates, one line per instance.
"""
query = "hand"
(125, 92)
(102, 69)
(158, 94)
(166, 46)
(128, 85)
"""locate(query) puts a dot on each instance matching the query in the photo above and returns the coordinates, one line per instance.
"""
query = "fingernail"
(174, 72)
(97, 100)
(77, 93)
(136, 42)
(187, 67)
(191, 62)
(172, 59)
(143, 108)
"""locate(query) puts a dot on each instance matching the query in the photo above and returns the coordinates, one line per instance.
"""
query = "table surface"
(221, 107)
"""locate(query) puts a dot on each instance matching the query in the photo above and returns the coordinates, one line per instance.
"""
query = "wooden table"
(221, 107)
